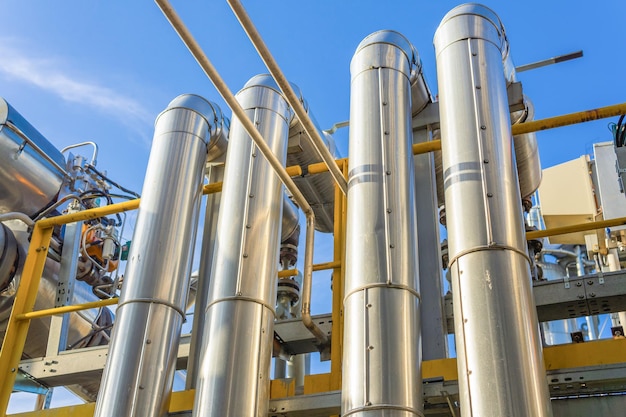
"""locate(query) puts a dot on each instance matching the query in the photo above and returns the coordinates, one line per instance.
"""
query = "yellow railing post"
(22, 311)
(338, 280)
(15, 336)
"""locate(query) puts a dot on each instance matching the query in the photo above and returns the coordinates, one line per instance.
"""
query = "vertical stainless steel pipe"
(215, 173)
(279, 169)
(140, 367)
(434, 329)
(381, 357)
(501, 371)
(234, 375)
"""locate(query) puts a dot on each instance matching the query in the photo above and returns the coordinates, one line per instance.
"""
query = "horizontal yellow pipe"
(425, 147)
(66, 309)
(518, 129)
(575, 228)
(93, 213)
(326, 265)
(97, 212)
(286, 273)
(294, 171)
(317, 267)
(569, 119)
(212, 188)
(321, 167)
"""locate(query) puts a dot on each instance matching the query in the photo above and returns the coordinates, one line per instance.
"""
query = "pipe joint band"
(487, 248)
(153, 301)
(242, 298)
(384, 285)
(376, 407)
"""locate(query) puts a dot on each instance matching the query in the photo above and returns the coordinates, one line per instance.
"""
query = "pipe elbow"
(214, 133)
(271, 97)
(471, 21)
(385, 49)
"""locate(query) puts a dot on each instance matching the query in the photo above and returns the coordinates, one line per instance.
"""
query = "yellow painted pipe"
(321, 167)
(518, 129)
(212, 188)
(93, 213)
(575, 228)
(425, 147)
(326, 265)
(66, 309)
(569, 119)
(287, 273)
(317, 267)
(97, 212)
(294, 171)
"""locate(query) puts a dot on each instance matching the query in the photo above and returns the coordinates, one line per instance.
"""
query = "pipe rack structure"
(381, 204)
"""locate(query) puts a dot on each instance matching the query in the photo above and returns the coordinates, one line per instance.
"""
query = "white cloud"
(46, 73)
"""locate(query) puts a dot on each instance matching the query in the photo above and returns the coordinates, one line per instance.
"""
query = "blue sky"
(102, 71)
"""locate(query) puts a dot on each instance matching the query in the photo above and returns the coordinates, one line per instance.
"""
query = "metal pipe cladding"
(381, 357)
(499, 358)
(140, 367)
(234, 375)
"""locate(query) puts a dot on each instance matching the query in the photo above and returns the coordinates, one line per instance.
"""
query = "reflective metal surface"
(234, 375)
(381, 371)
(140, 367)
(527, 153)
(501, 371)
(214, 174)
(434, 328)
(29, 181)
(290, 219)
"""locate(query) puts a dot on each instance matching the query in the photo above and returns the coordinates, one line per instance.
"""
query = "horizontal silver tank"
(319, 189)
(31, 168)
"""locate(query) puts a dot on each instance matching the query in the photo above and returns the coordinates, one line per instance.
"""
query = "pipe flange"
(290, 288)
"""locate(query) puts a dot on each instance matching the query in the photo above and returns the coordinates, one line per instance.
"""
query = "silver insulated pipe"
(526, 152)
(381, 356)
(31, 168)
(501, 371)
(318, 189)
(234, 375)
(140, 367)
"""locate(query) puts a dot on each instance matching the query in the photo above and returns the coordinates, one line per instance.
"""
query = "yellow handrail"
(66, 309)
(536, 234)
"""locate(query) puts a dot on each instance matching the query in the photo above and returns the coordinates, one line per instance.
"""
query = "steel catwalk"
(234, 375)
(140, 367)
(501, 371)
(381, 340)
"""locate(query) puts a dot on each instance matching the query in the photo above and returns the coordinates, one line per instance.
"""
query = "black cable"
(110, 181)
(88, 336)
(95, 192)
